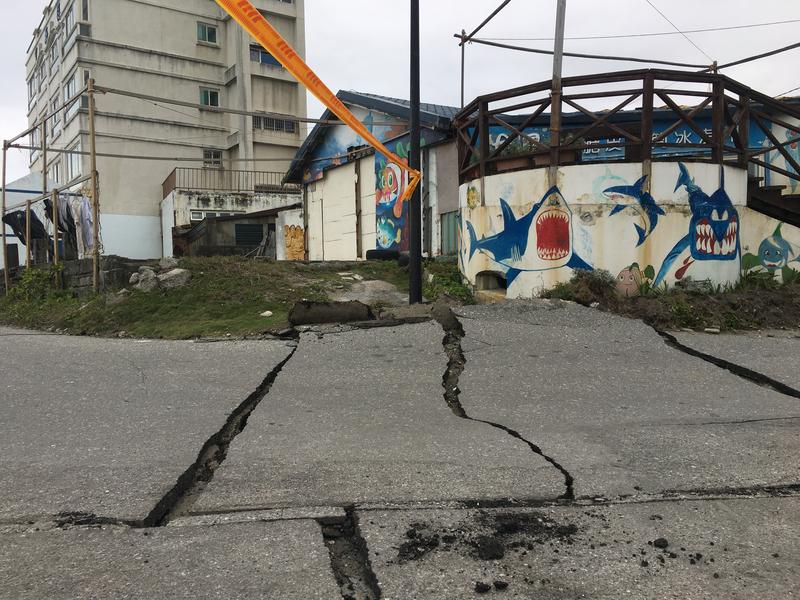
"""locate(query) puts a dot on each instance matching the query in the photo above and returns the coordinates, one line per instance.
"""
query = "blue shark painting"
(775, 253)
(713, 228)
(547, 227)
(645, 207)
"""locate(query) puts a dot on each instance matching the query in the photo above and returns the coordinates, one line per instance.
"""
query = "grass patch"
(757, 301)
(226, 295)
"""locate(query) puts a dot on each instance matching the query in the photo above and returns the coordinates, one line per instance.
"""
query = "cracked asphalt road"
(529, 450)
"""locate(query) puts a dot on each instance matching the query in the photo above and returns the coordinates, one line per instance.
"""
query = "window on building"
(54, 172)
(31, 89)
(74, 162)
(209, 97)
(55, 120)
(272, 124)
(212, 158)
(69, 20)
(70, 90)
(259, 55)
(207, 33)
(249, 235)
(84, 10)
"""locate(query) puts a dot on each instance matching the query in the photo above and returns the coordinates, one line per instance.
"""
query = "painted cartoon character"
(629, 280)
(713, 238)
(473, 198)
(775, 253)
(388, 233)
(547, 227)
(645, 206)
(391, 186)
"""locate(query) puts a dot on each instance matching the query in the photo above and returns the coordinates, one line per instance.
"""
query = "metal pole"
(463, 61)
(414, 161)
(6, 276)
(44, 163)
(55, 228)
(28, 234)
(95, 192)
(555, 107)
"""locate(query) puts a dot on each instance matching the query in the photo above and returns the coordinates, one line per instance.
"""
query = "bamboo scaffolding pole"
(95, 191)
(6, 276)
(55, 228)
(28, 234)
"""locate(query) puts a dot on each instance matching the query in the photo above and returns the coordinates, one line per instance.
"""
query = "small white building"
(351, 194)
(17, 194)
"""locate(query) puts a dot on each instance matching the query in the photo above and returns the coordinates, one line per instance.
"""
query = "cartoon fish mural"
(391, 186)
(645, 206)
(713, 229)
(388, 233)
(547, 228)
(776, 253)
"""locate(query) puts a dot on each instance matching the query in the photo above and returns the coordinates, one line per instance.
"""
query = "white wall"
(130, 236)
(167, 223)
(599, 238)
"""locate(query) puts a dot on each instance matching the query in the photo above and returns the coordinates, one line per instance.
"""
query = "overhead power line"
(759, 56)
(688, 39)
(786, 93)
(642, 35)
(485, 22)
(590, 56)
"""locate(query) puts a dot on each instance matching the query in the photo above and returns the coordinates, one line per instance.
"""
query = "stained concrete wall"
(687, 224)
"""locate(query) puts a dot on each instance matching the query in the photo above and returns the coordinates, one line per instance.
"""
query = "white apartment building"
(188, 50)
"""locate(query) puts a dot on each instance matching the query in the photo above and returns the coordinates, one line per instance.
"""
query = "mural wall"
(689, 222)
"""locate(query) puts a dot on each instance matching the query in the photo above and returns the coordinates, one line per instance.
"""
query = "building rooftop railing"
(227, 180)
(524, 128)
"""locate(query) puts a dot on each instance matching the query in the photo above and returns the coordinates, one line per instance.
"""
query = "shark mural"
(644, 205)
(713, 230)
(541, 240)
(775, 253)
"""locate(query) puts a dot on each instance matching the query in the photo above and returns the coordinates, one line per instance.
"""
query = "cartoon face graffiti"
(628, 282)
(473, 197)
(538, 241)
(715, 228)
(554, 229)
(775, 253)
(713, 231)
(391, 186)
(388, 233)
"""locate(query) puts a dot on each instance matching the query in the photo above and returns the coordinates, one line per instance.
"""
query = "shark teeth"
(706, 241)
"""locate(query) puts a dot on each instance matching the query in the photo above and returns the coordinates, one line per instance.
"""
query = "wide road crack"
(196, 478)
(454, 333)
(738, 370)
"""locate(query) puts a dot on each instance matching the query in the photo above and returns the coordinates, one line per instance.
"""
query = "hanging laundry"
(75, 204)
(66, 224)
(87, 224)
(16, 220)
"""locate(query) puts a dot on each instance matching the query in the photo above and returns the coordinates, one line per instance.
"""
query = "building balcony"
(227, 180)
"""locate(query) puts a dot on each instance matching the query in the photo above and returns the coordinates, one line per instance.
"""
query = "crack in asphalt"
(349, 557)
(177, 501)
(454, 333)
(738, 370)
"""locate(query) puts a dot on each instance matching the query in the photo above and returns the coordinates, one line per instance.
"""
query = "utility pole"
(555, 96)
(414, 161)
(463, 62)
(95, 191)
(6, 276)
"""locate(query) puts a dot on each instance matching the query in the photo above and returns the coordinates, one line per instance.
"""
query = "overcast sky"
(363, 45)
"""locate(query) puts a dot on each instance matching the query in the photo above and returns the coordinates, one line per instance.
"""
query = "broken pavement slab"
(772, 354)
(107, 427)
(622, 411)
(359, 416)
(720, 549)
(286, 559)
